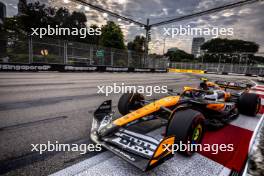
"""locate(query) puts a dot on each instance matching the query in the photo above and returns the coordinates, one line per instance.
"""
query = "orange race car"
(186, 116)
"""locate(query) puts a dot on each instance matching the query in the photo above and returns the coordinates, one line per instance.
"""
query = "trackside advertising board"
(71, 68)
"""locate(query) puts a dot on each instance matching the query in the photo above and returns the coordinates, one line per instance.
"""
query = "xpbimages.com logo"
(212, 148)
(58, 147)
(122, 88)
(196, 31)
(61, 31)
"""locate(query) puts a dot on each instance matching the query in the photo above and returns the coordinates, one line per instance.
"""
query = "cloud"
(247, 21)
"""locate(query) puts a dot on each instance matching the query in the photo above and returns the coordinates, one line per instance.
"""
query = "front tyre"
(129, 102)
(188, 128)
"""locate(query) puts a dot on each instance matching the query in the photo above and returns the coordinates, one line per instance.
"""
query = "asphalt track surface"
(40, 107)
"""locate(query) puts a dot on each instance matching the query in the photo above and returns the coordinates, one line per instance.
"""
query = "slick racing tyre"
(249, 104)
(188, 128)
(130, 102)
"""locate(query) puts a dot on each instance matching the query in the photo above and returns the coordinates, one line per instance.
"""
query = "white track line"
(257, 92)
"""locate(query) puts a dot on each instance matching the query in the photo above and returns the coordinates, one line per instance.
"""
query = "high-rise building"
(196, 46)
(2, 12)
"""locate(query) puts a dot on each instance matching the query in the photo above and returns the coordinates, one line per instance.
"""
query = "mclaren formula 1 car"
(237, 92)
(185, 116)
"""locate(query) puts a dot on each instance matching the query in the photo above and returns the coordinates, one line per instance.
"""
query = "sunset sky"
(247, 21)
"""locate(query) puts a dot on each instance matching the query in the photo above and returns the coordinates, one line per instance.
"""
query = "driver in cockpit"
(203, 84)
(215, 94)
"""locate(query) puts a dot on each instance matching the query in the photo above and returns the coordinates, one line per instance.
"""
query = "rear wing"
(233, 85)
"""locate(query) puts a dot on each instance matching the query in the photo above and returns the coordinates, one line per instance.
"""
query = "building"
(2, 36)
(2, 12)
(196, 46)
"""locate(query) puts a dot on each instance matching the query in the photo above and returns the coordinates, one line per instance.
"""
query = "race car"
(183, 125)
(223, 85)
(221, 107)
(186, 116)
(237, 92)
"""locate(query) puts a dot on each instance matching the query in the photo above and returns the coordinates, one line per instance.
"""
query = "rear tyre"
(188, 128)
(130, 102)
(249, 104)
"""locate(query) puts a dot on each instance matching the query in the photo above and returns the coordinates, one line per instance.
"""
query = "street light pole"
(147, 27)
(164, 43)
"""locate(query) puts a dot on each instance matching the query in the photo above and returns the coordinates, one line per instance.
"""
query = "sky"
(246, 21)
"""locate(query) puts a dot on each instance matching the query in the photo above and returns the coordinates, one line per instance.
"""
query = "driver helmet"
(212, 96)
(203, 84)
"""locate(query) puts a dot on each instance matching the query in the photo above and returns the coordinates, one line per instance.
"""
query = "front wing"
(142, 151)
(233, 85)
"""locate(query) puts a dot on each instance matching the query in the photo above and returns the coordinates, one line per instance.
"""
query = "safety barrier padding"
(35, 67)
(186, 71)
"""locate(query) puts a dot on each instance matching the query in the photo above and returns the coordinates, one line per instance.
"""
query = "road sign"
(44, 52)
(100, 53)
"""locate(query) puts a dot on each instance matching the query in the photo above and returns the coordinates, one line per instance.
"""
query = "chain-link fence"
(221, 67)
(47, 50)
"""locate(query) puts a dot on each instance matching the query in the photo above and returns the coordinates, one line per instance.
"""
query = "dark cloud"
(247, 21)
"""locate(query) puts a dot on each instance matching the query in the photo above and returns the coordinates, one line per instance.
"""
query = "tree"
(137, 44)
(219, 45)
(227, 51)
(92, 39)
(112, 36)
(3, 42)
(36, 15)
(12, 28)
(64, 19)
(179, 56)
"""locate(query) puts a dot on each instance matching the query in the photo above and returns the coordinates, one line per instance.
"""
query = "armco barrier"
(72, 68)
(186, 71)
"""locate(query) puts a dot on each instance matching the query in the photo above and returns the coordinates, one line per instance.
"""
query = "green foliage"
(37, 15)
(92, 39)
(179, 56)
(120, 62)
(112, 36)
(137, 44)
(47, 59)
(219, 45)
(230, 51)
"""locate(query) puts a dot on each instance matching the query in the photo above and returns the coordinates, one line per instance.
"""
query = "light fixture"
(105, 15)
(87, 8)
(121, 1)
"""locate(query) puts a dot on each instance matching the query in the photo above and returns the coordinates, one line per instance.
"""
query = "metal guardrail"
(220, 67)
(54, 51)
